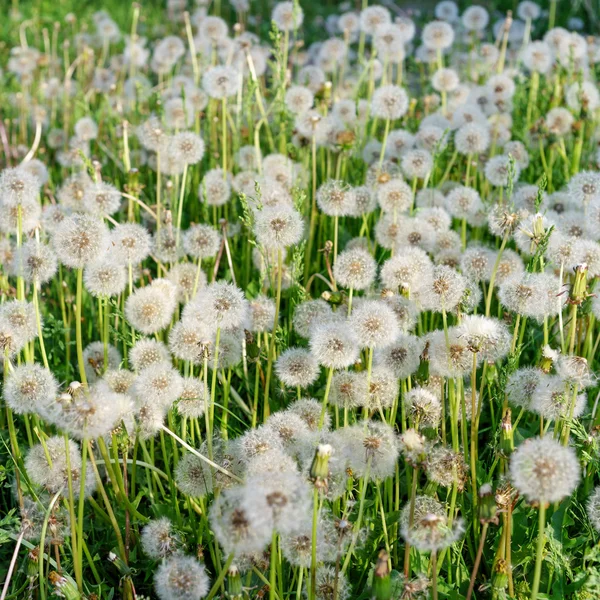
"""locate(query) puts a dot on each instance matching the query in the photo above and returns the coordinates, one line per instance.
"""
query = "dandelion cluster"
(300, 300)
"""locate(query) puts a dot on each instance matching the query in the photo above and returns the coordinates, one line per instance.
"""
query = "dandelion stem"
(541, 540)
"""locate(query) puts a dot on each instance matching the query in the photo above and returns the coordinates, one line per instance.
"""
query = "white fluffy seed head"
(19, 317)
(355, 268)
(429, 529)
(17, 186)
(101, 199)
(93, 358)
(222, 305)
(334, 345)
(35, 262)
(241, 521)
(159, 540)
(147, 352)
(543, 470)
(201, 241)
(389, 102)
(149, 309)
(104, 278)
(158, 385)
(278, 227)
(220, 82)
(297, 367)
(335, 198)
(130, 243)
(309, 314)
(374, 324)
(30, 388)
(192, 477)
(79, 240)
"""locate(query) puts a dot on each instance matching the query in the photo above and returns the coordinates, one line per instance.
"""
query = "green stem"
(78, 337)
(541, 540)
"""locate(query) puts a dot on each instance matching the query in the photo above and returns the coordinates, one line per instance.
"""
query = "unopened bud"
(507, 442)
(579, 289)
(319, 470)
(382, 582)
(234, 583)
(487, 504)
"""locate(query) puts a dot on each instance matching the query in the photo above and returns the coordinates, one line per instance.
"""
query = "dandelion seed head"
(297, 367)
(149, 309)
(54, 477)
(79, 240)
(389, 102)
(30, 388)
(201, 241)
(159, 384)
(430, 530)
(19, 316)
(437, 35)
(543, 470)
(17, 186)
(93, 358)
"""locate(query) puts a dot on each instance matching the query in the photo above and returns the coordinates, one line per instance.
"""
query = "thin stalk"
(78, 336)
(477, 560)
(541, 540)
